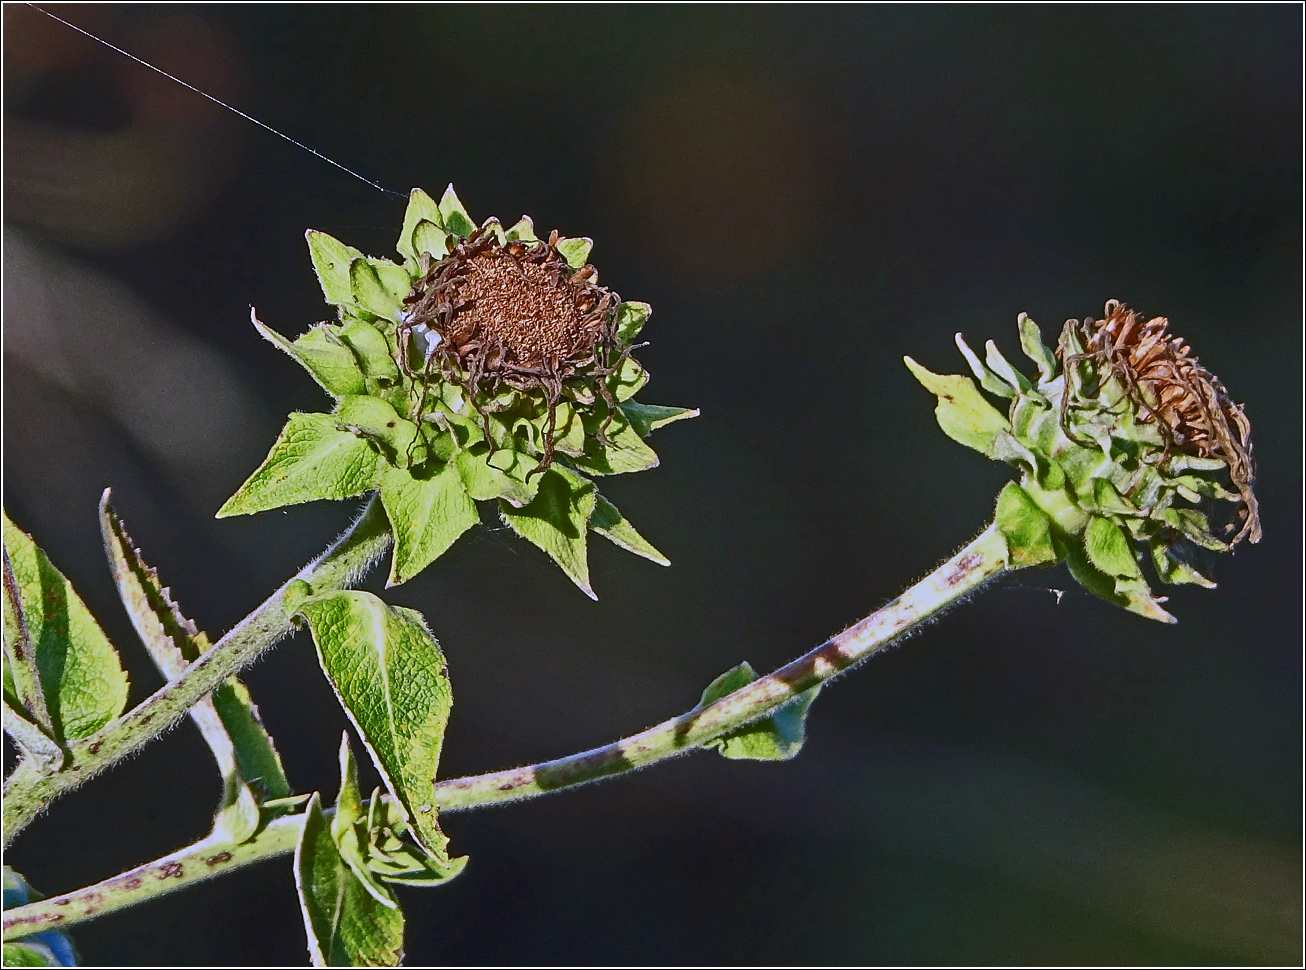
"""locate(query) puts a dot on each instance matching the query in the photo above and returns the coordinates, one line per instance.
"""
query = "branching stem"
(28, 790)
(978, 562)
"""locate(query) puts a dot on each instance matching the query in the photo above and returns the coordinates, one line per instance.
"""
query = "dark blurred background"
(803, 194)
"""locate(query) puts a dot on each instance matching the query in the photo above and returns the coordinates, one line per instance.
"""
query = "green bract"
(1125, 447)
(488, 365)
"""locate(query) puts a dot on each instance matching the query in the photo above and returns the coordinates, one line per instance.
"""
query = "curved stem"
(195, 863)
(978, 562)
(28, 791)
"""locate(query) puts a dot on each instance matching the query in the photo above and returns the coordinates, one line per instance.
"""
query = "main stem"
(28, 791)
(978, 562)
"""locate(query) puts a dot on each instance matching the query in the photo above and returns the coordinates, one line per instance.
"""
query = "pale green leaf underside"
(389, 674)
(557, 521)
(963, 413)
(613, 526)
(83, 682)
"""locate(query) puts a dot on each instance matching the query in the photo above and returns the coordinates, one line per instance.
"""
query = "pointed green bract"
(345, 924)
(312, 459)
(962, 412)
(389, 675)
(624, 452)
(82, 681)
(378, 421)
(500, 475)
(421, 208)
(1026, 528)
(456, 218)
(612, 525)
(331, 260)
(557, 522)
(575, 251)
(631, 317)
(427, 515)
(777, 737)
(369, 293)
(322, 353)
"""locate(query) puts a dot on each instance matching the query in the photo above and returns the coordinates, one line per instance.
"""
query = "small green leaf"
(331, 259)
(345, 924)
(777, 737)
(569, 434)
(48, 949)
(1128, 592)
(1025, 527)
(612, 525)
(523, 229)
(345, 826)
(1031, 342)
(963, 414)
(427, 514)
(1003, 368)
(628, 379)
(22, 676)
(575, 251)
(631, 318)
(389, 674)
(1172, 569)
(378, 421)
(500, 475)
(321, 352)
(421, 208)
(312, 459)
(370, 293)
(557, 521)
(1108, 548)
(647, 418)
(430, 238)
(81, 678)
(625, 451)
(370, 350)
(456, 218)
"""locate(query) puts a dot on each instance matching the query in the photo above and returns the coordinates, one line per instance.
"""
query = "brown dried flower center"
(524, 307)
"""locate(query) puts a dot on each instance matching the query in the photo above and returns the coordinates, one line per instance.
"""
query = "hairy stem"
(29, 790)
(978, 562)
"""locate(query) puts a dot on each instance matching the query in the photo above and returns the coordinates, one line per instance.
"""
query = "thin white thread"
(202, 94)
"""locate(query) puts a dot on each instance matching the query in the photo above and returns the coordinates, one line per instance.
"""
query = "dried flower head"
(488, 365)
(1126, 447)
(1187, 402)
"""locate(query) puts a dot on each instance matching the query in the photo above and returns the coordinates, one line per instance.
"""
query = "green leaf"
(322, 353)
(376, 420)
(371, 350)
(421, 208)
(1025, 527)
(369, 293)
(389, 674)
(430, 238)
(569, 434)
(647, 418)
(1003, 368)
(612, 525)
(575, 251)
(625, 452)
(354, 847)
(777, 737)
(456, 218)
(1109, 549)
(1129, 592)
(22, 676)
(500, 475)
(48, 949)
(631, 318)
(557, 521)
(345, 924)
(1031, 342)
(80, 676)
(628, 379)
(1172, 569)
(331, 259)
(962, 412)
(312, 459)
(250, 765)
(427, 514)
(523, 229)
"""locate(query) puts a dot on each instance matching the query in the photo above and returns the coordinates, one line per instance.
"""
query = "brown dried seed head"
(1188, 402)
